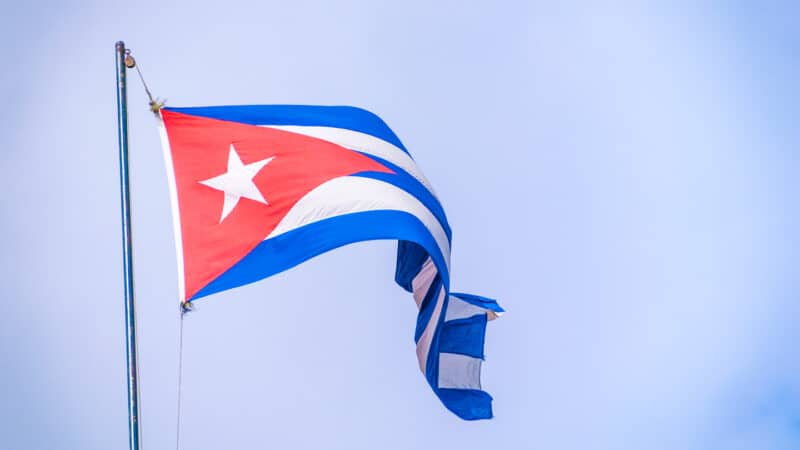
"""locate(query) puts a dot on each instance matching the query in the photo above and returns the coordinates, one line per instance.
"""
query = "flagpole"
(127, 257)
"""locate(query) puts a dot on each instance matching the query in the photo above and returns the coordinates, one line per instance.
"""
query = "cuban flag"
(256, 190)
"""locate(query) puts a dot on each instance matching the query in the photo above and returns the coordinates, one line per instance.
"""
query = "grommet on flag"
(186, 307)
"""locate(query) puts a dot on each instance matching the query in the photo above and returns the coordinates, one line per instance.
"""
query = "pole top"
(130, 63)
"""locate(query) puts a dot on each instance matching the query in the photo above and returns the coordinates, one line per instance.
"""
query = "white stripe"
(459, 309)
(459, 371)
(364, 143)
(424, 343)
(173, 197)
(346, 195)
(422, 282)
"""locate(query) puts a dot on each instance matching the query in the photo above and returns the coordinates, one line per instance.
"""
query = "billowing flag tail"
(450, 334)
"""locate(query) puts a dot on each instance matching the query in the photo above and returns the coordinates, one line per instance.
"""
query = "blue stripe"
(410, 258)
(347, 117)
(468, 404)
(417, 190)
(464, 336)
(294, 247)
(408, 183)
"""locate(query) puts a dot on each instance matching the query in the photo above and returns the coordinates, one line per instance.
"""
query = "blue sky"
(623, 179)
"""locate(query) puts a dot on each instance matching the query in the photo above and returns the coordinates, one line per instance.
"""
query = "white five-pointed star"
(237, 182)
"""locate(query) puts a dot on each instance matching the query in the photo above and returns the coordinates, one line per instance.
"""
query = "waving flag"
(256, 190)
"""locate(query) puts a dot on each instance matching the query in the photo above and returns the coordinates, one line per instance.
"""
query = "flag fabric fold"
(256, 190)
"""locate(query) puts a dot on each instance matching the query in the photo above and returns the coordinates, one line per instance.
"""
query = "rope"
(180, 377)
(146, 89)
(155, 103)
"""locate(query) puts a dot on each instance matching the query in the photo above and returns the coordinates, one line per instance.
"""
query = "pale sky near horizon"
(622, 178)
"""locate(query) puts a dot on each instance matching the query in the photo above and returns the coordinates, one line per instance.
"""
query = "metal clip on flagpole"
(124, 60)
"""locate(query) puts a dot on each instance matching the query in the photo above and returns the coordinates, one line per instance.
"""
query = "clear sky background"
(622, 178)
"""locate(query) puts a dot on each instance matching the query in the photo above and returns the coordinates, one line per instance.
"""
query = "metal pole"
(127, 257)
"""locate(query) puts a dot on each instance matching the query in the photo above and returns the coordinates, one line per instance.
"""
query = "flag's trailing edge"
(256, 190)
